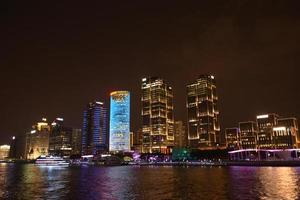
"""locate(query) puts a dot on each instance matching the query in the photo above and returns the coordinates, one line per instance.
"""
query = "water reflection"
(281, 183)
(32, 182)
(264, 182)
(133, 182)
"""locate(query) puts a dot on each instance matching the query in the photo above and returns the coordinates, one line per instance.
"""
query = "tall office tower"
(94, 131)
(180, 138)
(157, 116)
(76, 141)
(203, 114)
(119, 129)
(248, 134)
(265, 124)
(37, 140)
(60, 139)
(232, 137)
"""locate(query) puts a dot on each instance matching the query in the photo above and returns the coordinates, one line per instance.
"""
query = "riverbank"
(228, 163)
(271, 163)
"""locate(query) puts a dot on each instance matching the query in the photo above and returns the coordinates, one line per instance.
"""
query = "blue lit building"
(94, 131)
(119, 139)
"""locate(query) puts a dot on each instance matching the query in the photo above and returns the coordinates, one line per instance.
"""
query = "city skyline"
(53, 66)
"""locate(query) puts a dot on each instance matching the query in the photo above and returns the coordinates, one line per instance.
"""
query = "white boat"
(51, 161)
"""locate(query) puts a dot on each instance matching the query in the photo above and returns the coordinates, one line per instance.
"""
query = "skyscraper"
(119, 129)
(37, 140)
(94, 131)
(157, 116)
(203, 113)
(60, 139)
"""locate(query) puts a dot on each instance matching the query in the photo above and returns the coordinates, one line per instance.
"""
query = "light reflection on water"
(132, 182)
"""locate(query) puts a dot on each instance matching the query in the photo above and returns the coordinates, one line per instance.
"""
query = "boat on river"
(51, 161)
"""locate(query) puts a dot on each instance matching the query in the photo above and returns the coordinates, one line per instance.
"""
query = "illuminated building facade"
(119, 129)
(37, 140)
(292, 128)
(4, 151)
(203, 113)
(248, 135)
(94, 131)
(180, 135)
(157, 116)
(265, 124)
(269, 132)
(232, 137)
(60, 139)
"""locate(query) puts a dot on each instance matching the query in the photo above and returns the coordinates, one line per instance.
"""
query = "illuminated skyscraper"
(119, 129)
(157, 116)
(37, 140)
(94, 131)
(60, 138)
(203, 113)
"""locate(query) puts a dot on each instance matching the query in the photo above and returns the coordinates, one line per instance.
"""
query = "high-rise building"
(248, 134)
(60, 139)
(37, 140)
(119, 129)
(232, 136)
(203, 113)
(76, 141)
(157, 116)
(180, 135)
(94, 131)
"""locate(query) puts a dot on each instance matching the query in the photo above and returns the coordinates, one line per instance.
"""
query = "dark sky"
(55, 58)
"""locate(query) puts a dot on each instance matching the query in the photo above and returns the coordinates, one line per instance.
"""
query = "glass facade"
(60, 139)
(119, 139)
(94, 131)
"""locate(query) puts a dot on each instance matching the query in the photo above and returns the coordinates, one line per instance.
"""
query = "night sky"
(55, 58)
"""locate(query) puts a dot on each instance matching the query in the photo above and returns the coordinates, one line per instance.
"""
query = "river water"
(27, 181)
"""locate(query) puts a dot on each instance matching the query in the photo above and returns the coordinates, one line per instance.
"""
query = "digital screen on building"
(119, 131)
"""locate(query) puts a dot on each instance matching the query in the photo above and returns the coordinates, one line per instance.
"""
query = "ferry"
(51, 161)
